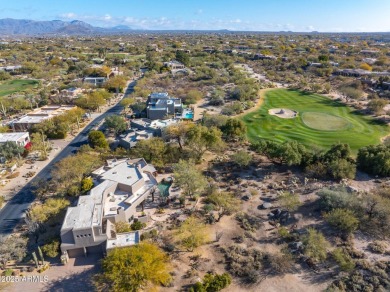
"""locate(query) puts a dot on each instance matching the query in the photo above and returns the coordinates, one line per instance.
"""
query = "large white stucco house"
(89, 227)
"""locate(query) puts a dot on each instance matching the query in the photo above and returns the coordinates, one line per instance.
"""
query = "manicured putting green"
(324, 122)
(12, 86)
(321, 122)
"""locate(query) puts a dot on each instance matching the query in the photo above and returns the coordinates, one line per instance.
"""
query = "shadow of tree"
(74, 281)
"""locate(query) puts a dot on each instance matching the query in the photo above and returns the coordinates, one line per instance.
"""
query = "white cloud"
(310, 28)
(69, 15)
(163, 22)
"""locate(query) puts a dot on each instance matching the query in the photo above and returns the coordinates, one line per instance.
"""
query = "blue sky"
(256, 15)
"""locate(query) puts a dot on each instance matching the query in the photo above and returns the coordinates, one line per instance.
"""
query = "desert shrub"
(315, 245)
(122, 227)
(51, 249)
(336, 198)
(378, 247)
(212, 283)
(285, 234)
(289, 201)
(248, 222)
(192, 233)
(278, 264)
(8, 272)
(137, 225)
(86, 184)
(365, 277)
(152, 234)
(343, 260)
(343, 219)
(244, 263)
(241, 158)
(253, 192)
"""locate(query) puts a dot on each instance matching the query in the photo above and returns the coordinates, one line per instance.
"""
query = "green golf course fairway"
(321, 122)
(13, 86)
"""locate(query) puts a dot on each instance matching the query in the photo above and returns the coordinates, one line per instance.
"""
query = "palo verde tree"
(116, 123)
(96, 139)
(136, 268)
(189, 178)
(200, 139)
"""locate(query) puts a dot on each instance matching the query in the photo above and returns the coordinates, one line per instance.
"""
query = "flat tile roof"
(5, 137)
(123, 239)
(123, 173)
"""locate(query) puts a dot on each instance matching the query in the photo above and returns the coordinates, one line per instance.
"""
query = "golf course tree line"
(336, 163)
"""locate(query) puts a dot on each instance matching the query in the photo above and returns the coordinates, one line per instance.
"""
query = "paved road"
(13, 212)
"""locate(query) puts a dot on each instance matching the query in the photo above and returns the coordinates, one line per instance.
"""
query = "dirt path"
(198, 110)
(260, 101)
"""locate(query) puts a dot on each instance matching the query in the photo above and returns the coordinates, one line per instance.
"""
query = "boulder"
(266, 205)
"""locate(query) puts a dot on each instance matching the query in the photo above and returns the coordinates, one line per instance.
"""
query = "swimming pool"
(189, 115)
(164, 188)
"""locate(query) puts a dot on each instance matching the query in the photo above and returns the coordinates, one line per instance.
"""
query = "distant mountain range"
(9, 26)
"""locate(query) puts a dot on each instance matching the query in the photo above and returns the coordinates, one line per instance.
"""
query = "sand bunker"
(283, 113)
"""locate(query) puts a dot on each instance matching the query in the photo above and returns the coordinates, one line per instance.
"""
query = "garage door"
(95, 249)
(75, 253)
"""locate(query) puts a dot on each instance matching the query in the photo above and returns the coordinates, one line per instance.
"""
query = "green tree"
(40, 213)
(97, 139)
(152, 150)
(343, 219)
(116, 123)
(374, 160)
(39, 143)
(178, 132)
(341, 169)
(201, 139)
(226, 203)
(69, 172)
(315, 245)
(377, 105)
(351, 93)
(116, 84)
(290, 152)
(127, 102)
(323, 58)
(234, 129)
(135, 268)
(182, 57)
(189, 178)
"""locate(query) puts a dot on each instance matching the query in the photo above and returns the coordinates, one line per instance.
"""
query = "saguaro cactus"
(41, 255)
(35, 259)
